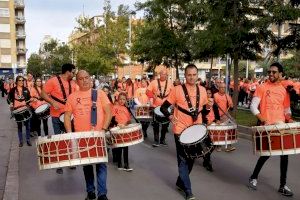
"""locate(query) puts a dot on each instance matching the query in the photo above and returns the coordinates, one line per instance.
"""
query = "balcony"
(20, 35)
(19, 4)
(20, 20)
(21, 50)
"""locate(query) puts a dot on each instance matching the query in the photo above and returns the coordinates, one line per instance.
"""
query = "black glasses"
(273, 72)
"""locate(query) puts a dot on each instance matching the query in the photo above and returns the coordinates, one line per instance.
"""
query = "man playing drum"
(159, 90)
(271, 105)
(182, 97)
(55, 92)
(80, 104)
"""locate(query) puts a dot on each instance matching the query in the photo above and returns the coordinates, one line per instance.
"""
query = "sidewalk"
(8, 130)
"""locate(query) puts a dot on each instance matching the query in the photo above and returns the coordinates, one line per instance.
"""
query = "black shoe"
(156, 144)
(190, 197)
(72, 168)
(91, 196)
(127, 168)
(145, 135)
(20, 144)
(102, 197)
(59, 171)
(163, 143)
(29, 143)
(285, 191)
(208, 166)
(120, 167)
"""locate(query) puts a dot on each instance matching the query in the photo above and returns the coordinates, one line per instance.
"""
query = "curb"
(245, 132)
(11, 191)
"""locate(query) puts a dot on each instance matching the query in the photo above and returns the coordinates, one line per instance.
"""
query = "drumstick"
(227, 114)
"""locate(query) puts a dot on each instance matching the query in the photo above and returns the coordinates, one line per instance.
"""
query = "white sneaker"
(252, 184)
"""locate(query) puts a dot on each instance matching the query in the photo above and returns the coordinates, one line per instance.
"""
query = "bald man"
(159, 90)
(79, 104)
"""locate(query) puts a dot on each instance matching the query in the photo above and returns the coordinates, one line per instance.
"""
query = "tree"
(292, 65)
(35, 65)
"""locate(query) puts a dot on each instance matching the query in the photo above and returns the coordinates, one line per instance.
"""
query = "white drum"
(62, 118)
(223, 134)
(43, 111)
(127, 136)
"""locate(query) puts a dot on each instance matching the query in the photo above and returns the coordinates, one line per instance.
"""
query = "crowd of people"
(70, 95)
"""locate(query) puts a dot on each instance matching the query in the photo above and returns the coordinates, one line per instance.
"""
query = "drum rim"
(276, 126)
(43, 105)
(197, 140)
(118, 130)
(222, 127)
(70, 136)
(20, 110)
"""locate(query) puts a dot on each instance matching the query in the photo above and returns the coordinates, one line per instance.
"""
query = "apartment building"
(12, 37)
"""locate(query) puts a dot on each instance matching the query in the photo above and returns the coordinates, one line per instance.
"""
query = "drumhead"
(62, 118)
(192, 134)
(41, 108)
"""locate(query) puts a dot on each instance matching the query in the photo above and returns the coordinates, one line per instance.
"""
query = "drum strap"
(162, 95)
(193, 112)
(94, 108)
(63, 91)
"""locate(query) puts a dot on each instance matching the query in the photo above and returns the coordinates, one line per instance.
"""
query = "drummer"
(185, 116)
(271, 105)
(35, 92)
(122, 117)
(141, 99)
(55, 92)
(19, 96)
(159, 90)
(224, 103)
(79, 104)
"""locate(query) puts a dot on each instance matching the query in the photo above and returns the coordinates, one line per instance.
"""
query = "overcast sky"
(57, 18)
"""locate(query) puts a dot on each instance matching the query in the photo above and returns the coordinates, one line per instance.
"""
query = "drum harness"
(63, 91)
(193, 112)
(24, 96)
(94, 108)
(162, 95)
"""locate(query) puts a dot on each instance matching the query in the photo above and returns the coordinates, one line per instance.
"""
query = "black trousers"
(45, 126)
(284, 159)
(145, 126)
(164, 130)
(119, 155)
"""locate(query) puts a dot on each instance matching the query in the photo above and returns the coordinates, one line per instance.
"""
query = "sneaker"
(59, 171)
(29, 143)
(163, 143)
(252, 184)
(231, 148)
(91, 196)
(156, 144)
(102, 197)
(285, 191)
(128, 169)
(190, 197)
(120, 167)
(218, 148)
(20, 144)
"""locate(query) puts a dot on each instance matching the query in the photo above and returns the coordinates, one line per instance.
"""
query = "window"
(5, 58)
(5, 43)
(4, 28)
(4, 12)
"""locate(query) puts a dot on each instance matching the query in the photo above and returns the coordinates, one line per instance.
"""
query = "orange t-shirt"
(35, 94)
(9, 86)
(79, 104)
(130, 91)
(19, 95)
(222, 101)
(273, 100)
(141, 95)
(122, 86)
(286, 83)
(153, 87)
(29, 84)
(177, 97)
(52, 87)
(121, 114)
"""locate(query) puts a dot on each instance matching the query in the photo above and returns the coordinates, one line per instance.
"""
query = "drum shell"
(22, 115)
(44, 114)
(127, 136)
(223, 134)
(71, 149)
(144, 113)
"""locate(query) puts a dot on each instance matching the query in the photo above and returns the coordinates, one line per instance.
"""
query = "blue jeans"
(101, 173)
(27, 126)
(58, 126)
(185, 166)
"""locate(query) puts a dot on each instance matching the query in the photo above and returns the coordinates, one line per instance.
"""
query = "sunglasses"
(273, 72)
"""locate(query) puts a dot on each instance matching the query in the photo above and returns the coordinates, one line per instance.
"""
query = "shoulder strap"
(162, 95)
(194, 112)
(94, 108)
(62, 87)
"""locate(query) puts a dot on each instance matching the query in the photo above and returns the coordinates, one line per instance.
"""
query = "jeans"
(283, 168)
(101, 173)
(27, 126)
(185, 166)
(164, 130)
(58, 126)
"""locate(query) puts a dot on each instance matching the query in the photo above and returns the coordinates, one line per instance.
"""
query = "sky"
(57, 18)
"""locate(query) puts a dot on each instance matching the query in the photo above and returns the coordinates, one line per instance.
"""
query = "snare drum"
(43, 111)
(62, 117)
(71, 149)
(143, 113)
(223, 134)
(22, 114)
(127, 136)
(160, 117)
(195, 141)
(279, 139)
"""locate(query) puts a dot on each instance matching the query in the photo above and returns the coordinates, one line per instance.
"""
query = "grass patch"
(245, 118)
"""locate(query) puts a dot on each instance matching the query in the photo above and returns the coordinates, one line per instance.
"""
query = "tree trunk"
(235, 77)
(210, 71)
